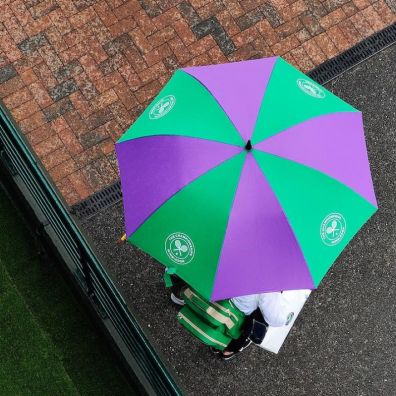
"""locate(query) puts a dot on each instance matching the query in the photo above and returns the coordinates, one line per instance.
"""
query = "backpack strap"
(218, 314)
(196, 325)
(208, 310)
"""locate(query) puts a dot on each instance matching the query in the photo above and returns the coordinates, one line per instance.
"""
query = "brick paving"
(76, 73)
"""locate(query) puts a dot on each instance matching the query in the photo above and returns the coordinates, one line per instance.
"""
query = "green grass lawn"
(48, 344)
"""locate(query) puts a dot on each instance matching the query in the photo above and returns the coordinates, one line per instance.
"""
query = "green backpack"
(214, 323)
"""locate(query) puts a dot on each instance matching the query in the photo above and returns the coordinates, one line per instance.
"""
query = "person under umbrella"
(259, 311)
(244, 178)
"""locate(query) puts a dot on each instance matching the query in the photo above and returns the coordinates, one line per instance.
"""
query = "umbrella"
(245, 177)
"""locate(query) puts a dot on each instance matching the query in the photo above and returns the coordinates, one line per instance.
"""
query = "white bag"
(275, 336)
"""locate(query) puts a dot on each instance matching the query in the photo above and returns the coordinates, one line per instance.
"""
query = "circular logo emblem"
(289, 318)
(333, 229)
(310, 88)
(180, 248)
(162, 107)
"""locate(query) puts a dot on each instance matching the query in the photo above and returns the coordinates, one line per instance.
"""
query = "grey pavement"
(343, 342)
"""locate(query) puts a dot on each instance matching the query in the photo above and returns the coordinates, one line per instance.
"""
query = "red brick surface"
(76, 73)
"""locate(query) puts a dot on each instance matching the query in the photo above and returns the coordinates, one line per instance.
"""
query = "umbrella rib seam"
(173, 135)
(221, 107)
(320, 172)
(179, 190)
(304, 121)
(263, 98)
(288, 221)
(228, 222)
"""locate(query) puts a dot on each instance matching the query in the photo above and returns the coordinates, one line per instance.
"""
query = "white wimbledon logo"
(180, 248)
(332, 229)
(310, 88)
(162, 107)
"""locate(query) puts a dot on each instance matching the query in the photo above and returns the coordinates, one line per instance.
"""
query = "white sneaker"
(177, 300)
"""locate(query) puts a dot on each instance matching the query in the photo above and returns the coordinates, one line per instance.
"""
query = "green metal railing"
(82, 261)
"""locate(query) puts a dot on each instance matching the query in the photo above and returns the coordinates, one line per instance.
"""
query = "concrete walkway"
(344, 341)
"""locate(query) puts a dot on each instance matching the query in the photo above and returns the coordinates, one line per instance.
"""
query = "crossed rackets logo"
(162, 107)
(332, 229)
(310, 88)
(180, 248)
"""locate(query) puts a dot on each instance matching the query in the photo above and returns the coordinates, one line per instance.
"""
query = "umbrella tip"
(248, 146)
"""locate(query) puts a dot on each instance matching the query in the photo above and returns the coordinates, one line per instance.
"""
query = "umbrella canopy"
(245, 177)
